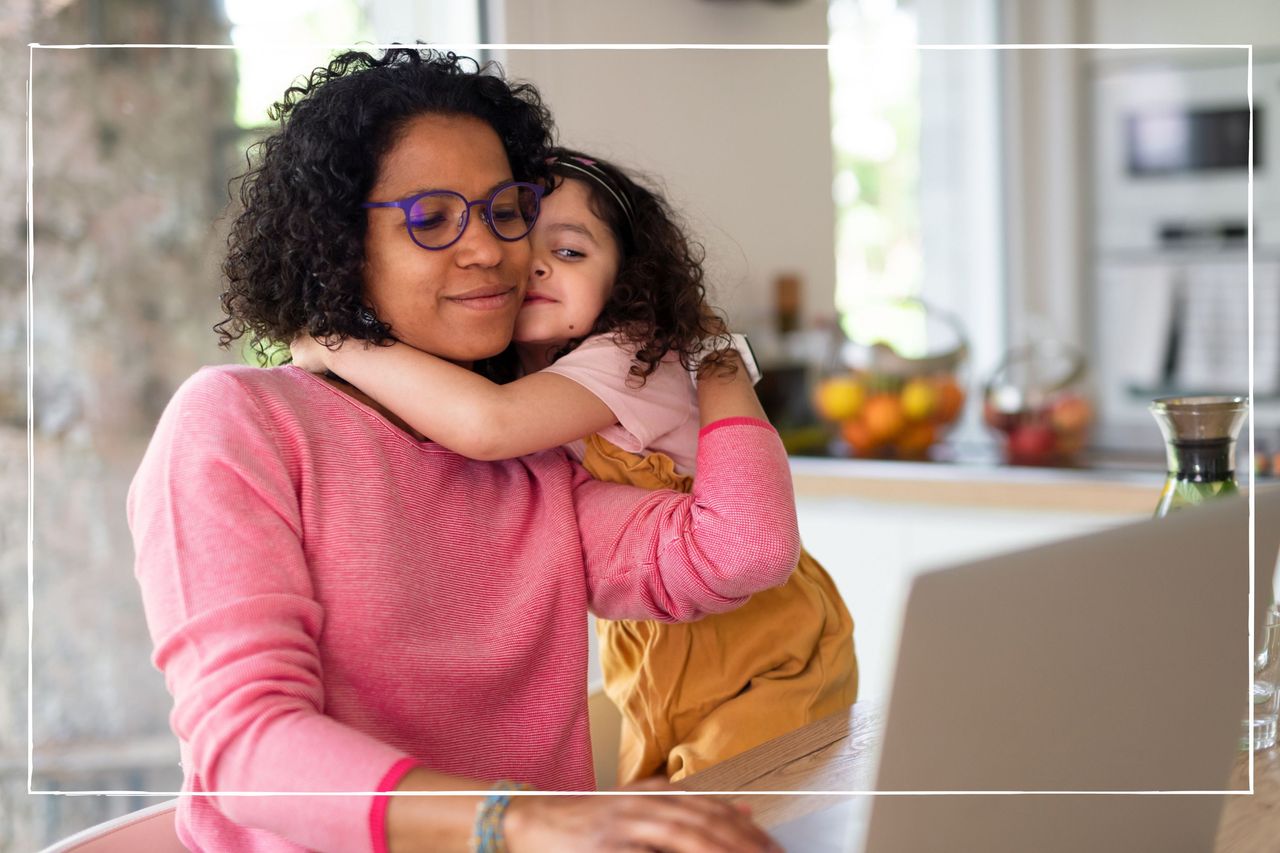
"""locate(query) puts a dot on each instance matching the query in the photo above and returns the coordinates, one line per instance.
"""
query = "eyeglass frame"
(406, 206)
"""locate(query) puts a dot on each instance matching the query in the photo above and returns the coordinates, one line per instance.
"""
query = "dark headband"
(583, 166)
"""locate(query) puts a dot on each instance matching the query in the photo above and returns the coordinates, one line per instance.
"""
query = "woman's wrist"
(445, 823)
(518, 822)
(490, 832)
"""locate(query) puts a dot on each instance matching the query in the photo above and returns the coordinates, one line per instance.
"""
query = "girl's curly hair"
(658, 303)
(296, 250)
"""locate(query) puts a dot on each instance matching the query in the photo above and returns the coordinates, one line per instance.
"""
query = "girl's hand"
(670, 823)
(309, 354)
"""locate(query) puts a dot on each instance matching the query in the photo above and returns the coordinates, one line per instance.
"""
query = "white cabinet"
(872, 550)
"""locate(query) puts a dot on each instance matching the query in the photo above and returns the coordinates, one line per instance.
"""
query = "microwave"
(1172, 155)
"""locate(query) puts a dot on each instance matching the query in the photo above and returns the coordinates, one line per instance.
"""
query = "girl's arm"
(677, 557)
(732, 396)
(459, 409)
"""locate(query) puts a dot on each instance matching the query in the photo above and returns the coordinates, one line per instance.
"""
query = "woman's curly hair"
(658, 303)
(296, 250)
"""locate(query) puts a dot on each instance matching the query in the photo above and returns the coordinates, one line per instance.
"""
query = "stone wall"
(132, 152)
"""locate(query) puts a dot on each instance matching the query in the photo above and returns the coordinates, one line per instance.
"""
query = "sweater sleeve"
(675, 557)
(645, 412)
(229, 603)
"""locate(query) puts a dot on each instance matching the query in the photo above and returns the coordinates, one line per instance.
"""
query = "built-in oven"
(1170, 299)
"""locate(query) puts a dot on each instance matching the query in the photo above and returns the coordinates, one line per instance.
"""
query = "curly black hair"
(658, 303)
(296, 250)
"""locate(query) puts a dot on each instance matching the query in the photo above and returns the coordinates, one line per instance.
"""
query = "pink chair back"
(151, 829)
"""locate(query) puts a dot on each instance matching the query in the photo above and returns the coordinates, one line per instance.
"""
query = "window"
(875, 117)
(916, 133)
(276, 43)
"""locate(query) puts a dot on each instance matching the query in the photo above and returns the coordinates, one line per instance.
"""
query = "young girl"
(613, 323)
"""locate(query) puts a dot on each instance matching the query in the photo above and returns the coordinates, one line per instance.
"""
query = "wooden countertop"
(1251, 822)
(837, 754)
(1105, 491)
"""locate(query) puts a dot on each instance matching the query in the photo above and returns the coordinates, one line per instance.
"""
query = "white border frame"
(34, 46)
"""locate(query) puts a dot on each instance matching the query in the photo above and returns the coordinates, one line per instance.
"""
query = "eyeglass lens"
(436, 219)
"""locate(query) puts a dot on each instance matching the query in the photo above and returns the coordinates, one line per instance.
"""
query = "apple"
(1070, 414)
(1070, 443)
(1032, 442)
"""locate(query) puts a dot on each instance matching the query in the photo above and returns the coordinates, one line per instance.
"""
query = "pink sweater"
(332, 601)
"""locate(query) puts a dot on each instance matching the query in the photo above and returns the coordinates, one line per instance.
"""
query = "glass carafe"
(1200, 445)
(1266, 687)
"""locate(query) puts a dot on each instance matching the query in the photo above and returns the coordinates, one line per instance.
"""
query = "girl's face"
(459, 303)
(575, 262)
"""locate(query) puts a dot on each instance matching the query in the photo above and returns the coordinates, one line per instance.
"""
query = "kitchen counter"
(974, 474)
(1105, 484)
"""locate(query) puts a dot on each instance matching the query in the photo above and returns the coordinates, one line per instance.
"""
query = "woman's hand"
(670, 824)
(309, 354)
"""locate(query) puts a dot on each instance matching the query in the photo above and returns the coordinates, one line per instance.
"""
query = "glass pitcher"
(1266, 687)
(1200, 445)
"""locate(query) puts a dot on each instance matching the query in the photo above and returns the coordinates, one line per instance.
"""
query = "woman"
(338, 603)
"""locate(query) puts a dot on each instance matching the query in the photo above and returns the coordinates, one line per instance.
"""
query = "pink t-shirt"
(333, 602)
(660, 416)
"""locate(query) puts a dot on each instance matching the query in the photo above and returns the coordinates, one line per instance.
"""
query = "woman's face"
(458, 303)
(575, 262)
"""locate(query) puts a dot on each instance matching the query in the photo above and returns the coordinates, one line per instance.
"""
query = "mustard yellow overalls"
(694, 694)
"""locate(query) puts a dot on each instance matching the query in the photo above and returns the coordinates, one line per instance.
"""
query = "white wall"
(1255, 22)
(1045, 193)
(740, 139)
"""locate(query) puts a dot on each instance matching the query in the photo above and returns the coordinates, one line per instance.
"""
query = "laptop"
(1114, 662)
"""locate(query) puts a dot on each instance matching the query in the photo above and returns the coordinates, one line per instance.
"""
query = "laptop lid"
(1117, 661)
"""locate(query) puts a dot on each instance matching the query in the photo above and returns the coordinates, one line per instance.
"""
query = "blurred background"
(1093, 198)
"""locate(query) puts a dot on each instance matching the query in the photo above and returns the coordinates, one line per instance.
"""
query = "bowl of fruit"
(893, 400)
(1035, 399)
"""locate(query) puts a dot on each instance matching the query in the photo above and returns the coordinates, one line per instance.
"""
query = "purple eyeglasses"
(436, 219)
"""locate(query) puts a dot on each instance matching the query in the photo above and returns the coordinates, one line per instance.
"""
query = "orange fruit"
(882, 415)
(915, 440)
(859, 439)
(950, 400)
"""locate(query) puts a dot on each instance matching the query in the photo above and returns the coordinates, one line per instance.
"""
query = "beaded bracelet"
(488, 837)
